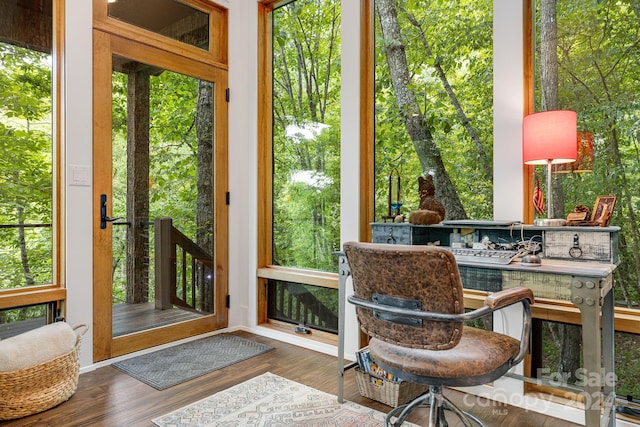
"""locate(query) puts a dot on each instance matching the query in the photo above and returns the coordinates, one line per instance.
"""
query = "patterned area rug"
(174, 365)
(270, 400)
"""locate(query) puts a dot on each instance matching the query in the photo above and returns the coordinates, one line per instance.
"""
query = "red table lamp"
(550, 138)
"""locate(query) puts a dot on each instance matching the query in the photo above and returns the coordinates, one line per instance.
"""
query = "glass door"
(160, 187)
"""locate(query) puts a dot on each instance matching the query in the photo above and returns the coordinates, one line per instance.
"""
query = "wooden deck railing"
(184, 271)
(293, 302)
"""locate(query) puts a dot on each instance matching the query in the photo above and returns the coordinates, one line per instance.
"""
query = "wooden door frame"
(105, 46)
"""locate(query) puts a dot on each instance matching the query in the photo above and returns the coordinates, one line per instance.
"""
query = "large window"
(185, 23)
(28, 165)
(587, 59)
(299, 171)
(26, 139)
(433, 104)
(306, 134)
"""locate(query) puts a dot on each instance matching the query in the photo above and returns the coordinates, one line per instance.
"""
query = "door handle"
(103, 212)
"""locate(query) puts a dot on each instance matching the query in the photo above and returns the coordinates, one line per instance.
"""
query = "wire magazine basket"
(391, 393)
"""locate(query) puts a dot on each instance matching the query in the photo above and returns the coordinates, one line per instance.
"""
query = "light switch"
(79, 175)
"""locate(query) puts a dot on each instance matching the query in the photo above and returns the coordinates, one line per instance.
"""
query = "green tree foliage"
(173, 147)
(451, 78)
(173, 160)
(598, 56)
(598, 77)
(306, 134)
(25, 167)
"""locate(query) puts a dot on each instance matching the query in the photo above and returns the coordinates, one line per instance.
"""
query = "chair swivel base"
(437, 404)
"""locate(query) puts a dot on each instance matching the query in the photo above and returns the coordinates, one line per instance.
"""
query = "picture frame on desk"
(603, 210)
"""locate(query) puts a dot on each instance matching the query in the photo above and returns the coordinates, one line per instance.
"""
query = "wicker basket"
(388, 392)
(37, 388)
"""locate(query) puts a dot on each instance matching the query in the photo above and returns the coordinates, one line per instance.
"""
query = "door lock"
(103, 212)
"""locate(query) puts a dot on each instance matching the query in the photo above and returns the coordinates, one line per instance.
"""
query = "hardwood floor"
(108, 397)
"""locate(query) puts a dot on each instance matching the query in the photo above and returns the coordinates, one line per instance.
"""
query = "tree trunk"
(24, 253)
(138, 187)
(549, 55)
(570, 350)
(569, 335)
(549, 86)
(205, 184)
(426, 149)
(205, 207)
(485, 163)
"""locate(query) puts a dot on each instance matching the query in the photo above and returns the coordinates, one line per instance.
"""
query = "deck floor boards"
(128, 318)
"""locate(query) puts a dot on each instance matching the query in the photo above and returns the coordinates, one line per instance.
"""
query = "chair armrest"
(508, 297)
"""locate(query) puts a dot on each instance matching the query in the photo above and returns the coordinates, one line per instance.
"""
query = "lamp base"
(531, 260)
(549, 222)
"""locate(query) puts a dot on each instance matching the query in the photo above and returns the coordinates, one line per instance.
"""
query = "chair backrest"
(420, 277)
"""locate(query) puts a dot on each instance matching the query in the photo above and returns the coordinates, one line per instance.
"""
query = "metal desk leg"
(586, 294)
(343, 273)
(608, 349)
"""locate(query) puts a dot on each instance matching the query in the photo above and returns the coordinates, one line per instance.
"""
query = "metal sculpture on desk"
(431, 211)
(393, 199)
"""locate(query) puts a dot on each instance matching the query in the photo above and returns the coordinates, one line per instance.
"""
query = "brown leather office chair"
(409, 301)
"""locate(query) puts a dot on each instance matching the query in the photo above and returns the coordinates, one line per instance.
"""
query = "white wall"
(508, 109)
(350, 150)
(243, 160)
(77, 127)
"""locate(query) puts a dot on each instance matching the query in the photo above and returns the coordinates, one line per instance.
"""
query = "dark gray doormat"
(174, 365)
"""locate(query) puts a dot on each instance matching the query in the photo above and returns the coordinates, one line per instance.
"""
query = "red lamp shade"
(550, 137)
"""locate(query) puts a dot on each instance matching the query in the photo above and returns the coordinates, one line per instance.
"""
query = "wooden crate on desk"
(597, 244)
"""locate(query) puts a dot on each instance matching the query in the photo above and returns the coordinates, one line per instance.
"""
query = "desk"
(588, 285)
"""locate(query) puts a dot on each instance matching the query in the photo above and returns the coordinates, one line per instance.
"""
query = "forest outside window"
(30, 211)
(306, 134)
(586, 59)
(433, 103)
(27, 144)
